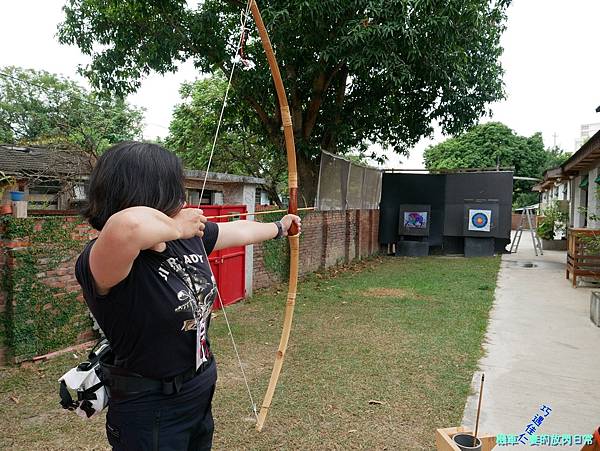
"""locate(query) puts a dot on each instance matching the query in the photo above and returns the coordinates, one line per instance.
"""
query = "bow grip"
(293, 210)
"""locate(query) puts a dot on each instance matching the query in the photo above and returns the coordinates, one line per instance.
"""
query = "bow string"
(293, 233)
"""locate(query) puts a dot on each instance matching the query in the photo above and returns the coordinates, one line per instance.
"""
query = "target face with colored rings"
(480, 220)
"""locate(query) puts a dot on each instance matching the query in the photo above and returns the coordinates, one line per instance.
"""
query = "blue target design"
(479, 220)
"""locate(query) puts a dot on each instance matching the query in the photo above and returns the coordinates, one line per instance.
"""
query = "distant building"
(262, 197)
(555, 187)
(56, 179)
(53, 179)
(587, 131)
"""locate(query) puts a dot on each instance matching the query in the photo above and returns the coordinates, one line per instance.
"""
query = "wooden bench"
(582, 259)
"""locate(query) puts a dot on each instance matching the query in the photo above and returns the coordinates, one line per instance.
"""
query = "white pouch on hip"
(86, 381)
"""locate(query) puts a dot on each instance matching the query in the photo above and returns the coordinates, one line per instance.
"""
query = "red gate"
(228, 265)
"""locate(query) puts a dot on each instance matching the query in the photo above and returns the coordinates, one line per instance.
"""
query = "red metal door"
(228, 265)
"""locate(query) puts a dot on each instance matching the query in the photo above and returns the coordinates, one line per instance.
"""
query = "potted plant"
(5, 182)
(552, 222)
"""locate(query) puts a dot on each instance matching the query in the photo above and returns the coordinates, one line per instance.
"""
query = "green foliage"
(40, 317)
(545, 229)
(591, 244)
(357, 72)
(241, 149)
(37, 107)
(522, 194)
(276, 253)
(555, 157)
(553, 220)
(489, 145)
(493, 144)
(276, 257)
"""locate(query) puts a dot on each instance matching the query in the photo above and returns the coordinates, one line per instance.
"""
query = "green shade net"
(597, 179)
(584, 182)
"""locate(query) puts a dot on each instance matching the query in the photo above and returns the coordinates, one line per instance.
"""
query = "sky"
(552, 72)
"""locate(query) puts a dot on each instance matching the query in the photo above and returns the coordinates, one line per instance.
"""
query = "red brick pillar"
(370, 232)
(324, 234)
(347, 238)
(357, 239)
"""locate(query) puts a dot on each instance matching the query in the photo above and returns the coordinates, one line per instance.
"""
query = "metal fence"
(344, 185)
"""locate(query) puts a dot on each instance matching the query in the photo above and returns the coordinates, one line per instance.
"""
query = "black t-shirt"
(150, 317)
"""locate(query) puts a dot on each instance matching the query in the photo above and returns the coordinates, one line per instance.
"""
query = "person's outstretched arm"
(241, 233)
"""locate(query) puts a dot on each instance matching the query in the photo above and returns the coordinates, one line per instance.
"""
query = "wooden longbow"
(293, 236)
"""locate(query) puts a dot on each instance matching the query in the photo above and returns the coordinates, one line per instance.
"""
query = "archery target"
(480, 220)
(415, 219)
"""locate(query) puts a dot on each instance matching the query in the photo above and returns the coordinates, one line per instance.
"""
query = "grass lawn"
(405, 333)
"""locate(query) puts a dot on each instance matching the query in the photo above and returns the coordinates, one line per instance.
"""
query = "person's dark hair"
(132, 174)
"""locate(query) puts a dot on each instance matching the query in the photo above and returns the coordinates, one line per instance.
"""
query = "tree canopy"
(356, 71)
(241, 148)
(556, 157)
(37, 107)
(495, 145)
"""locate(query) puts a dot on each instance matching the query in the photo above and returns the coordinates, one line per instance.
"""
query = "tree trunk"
(308, 173)
(271, 190)
(329, 141)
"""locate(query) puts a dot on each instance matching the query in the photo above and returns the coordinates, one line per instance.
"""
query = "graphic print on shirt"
(197, 298)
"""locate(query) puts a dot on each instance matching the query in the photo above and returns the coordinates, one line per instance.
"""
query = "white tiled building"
(587, 131)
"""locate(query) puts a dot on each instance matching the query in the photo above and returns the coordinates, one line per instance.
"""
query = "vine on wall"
(276, 253)
(41, 315)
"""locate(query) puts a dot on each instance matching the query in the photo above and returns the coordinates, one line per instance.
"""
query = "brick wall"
(516, 220)
(59, 277)
(3, 346)
(328, 238)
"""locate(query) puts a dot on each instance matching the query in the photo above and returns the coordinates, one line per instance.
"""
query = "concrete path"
(541, 349)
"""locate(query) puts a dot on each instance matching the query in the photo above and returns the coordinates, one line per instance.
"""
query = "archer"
(148, 282)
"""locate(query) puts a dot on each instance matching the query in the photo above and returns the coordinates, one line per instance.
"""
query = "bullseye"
(479, 220)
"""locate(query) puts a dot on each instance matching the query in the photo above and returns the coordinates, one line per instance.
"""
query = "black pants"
(162, 423)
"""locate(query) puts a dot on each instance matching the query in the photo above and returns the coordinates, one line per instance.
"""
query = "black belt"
(122, 383)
